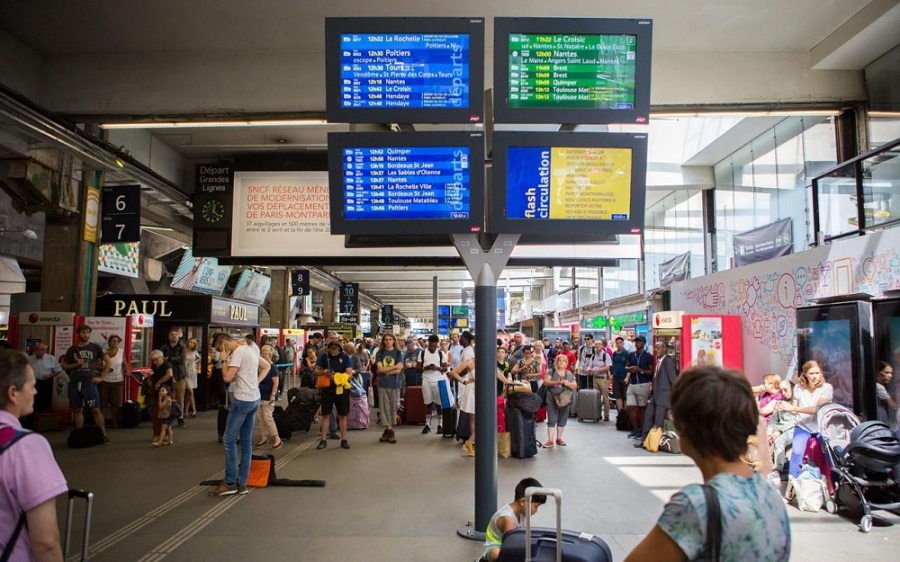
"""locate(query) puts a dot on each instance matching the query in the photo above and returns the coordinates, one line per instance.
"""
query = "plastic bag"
(651, 443)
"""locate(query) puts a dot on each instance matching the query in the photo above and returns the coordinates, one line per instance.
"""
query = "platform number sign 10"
(121, 215)
(349, 300)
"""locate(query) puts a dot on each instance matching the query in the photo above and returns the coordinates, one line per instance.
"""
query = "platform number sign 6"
(121, 215)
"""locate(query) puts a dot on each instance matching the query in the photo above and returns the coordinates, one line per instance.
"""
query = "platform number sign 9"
(349, 299)
(121, 214)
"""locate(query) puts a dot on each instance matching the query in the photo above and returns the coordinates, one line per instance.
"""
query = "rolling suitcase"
(414, 405)
(131, 414)
(542, 544)
(448, 422)
(89, 499)
(522, 440)
(587, 404)
(463, 430)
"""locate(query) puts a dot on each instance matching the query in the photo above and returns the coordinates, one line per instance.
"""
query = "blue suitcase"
(541, 544)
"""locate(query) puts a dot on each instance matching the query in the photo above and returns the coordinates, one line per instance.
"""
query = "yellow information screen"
(569, 183)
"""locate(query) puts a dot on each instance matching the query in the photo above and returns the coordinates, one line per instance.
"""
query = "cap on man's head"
(640, 338)
(84, 328)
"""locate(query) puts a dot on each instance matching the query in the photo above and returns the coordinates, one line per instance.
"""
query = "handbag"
(651, 443)
(809, 489)
(323, 381)
(446, 394)
(670, 443)
(504, 445)
(562, 399)
(262, 470)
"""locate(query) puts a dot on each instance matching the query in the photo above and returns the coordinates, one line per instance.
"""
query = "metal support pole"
(485, 267)
(434, 305)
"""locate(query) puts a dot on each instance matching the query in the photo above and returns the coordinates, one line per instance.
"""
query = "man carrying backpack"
(593, 361)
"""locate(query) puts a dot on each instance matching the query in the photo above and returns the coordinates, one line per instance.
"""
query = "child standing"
(168, 417)
(509, 517)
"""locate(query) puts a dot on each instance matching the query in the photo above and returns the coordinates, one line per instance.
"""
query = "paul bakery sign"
(225, 312)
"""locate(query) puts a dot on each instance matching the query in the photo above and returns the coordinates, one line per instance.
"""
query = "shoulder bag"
(713, 524)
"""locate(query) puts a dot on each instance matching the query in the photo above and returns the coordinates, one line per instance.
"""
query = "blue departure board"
(414, 182)
(405, 70)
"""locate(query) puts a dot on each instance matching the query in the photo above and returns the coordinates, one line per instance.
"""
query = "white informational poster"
(104, 326)
(63, 338)
(706, 342)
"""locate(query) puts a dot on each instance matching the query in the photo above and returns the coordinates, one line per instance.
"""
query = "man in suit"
(660, 390)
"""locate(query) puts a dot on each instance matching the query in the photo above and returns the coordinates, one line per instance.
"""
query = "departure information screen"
(568, 183)
(572, 71)
(404, 70)
(420, 182)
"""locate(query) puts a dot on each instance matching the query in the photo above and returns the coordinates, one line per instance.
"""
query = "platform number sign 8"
(349, 299)
(121, 216)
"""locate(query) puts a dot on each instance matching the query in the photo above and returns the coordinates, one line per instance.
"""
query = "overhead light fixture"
(749, 113)
(220, 124)
(884, 114)
(30, 234)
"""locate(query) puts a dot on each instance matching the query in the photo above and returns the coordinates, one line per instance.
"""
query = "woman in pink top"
(30, 479)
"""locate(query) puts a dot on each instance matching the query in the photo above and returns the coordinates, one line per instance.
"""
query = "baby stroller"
(863, 458)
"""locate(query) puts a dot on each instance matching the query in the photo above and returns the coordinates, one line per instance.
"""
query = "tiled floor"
(385, 502)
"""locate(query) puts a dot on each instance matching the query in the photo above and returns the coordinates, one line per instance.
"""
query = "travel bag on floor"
(414, 411)
(463, 430)
(623, 421)
(359, 412)
(588, 404)
(520, 425)
(84, 437)
(448, 422)
(542, 544)
(131, 414)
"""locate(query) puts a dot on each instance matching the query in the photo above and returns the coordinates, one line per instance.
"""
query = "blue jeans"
(241, 416)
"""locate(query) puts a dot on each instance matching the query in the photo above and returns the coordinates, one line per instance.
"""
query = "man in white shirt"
(432, 364)
(45, 368)
(245, 368)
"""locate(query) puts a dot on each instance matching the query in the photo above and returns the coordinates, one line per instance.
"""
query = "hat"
(410, 341)
(640, 338)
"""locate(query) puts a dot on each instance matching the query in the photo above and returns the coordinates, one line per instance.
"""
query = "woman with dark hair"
(31, 478)
(715, 413)
(887, 409)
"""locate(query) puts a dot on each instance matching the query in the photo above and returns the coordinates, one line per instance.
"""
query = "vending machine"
(837, 333)
(700, 339)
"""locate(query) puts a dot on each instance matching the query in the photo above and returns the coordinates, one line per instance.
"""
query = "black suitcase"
(131, 414)
(623, 422)
(84, 437)
(463, 430)
(448, 422)
(284, 433)
(89, 499)
(541, 544)
(520, 425)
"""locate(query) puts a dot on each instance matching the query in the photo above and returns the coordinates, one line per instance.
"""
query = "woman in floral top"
(715, 413)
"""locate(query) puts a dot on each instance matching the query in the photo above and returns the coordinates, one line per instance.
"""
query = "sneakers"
(106, 440)
(548, 444)
(384, 436)
(469, 449)
(606, 418)
(391, 438)
(344, 444)
(426, 430)
(440, 428)
(639, 445)
(180, 422)
(224, 489)
(322, 444)
(242, 489)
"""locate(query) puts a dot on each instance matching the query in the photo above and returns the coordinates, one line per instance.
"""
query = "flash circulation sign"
(572, 71)
(404, 70)
(550, 183)
(406, 182)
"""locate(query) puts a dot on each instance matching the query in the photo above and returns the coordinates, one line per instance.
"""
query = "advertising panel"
(120, 259)
(706, 342)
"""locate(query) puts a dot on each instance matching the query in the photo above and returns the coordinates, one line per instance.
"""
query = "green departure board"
(572, 71)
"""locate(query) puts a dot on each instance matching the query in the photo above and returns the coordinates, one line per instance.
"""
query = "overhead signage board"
(406, 70)
(213, 187)
(667, 320)
(568, 70)
(300, 282)
(121, 214)
(565, 183)
(406, 183)
(348, 303)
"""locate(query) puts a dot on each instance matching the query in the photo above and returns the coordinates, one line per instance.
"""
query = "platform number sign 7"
(121, 214)
(349, 299)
